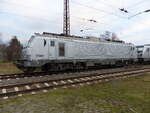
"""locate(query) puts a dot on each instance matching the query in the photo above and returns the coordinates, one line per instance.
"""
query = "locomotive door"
(61, 51)
(52, 49)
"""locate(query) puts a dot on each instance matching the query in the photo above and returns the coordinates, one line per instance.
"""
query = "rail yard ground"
(131, 95)
(6, 68)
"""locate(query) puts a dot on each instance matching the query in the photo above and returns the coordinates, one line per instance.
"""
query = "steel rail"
(65, 82)
(68, 77)
(37, 74)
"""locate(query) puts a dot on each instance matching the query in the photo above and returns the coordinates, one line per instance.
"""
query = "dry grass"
(6, 68)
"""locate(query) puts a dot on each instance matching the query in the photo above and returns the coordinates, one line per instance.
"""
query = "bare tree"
(2, 49)
(14, 49)
(1, 42)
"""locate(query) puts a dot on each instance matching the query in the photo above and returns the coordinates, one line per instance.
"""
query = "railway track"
(14, 90)
(34, 74)
(37, 74)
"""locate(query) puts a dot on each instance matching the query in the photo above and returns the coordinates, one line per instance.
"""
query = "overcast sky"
(24, 17)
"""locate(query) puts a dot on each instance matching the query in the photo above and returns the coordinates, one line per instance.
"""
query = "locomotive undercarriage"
(30, 66)
(63, 66)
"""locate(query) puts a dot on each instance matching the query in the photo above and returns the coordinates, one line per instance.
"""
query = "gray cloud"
(24, 17)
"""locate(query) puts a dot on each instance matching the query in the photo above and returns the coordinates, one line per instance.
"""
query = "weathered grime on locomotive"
(144, 53)
(58, 51)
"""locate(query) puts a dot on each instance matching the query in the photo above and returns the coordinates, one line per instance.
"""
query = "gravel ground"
(119, 96)
(53, 77)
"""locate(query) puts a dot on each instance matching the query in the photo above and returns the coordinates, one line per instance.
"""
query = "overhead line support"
(66, 23)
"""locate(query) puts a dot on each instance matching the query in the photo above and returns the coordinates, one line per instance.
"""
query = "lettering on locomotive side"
(38, 55)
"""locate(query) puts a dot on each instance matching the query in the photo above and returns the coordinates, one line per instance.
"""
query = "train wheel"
(46, 68)
(28, 70)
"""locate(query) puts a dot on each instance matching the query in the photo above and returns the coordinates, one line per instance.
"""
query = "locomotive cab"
(143, 53)
(24, 62)
(36, 53)
(140, 53)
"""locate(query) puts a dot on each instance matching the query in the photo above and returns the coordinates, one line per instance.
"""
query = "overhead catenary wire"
(99, 10)
(137, 4)
(106, 4)
(90, 26)
(90, 7)
(21, 5)
(145, 11)
(27, 6)
(113, 7)
(106, 12)
(110, 27)
(42, 20)
(45, 15)
(87, 20)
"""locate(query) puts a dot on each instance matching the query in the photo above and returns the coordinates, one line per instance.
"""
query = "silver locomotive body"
(49, 51)
(144, 53)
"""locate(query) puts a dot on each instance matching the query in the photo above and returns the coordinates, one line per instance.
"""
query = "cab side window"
(52, 43)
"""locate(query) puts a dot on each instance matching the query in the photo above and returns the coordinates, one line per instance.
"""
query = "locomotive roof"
(59, 35)
(45, 34)
(147, 45)
(143, 45)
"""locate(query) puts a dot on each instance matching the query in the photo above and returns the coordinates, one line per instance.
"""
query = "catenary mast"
(66, 23)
